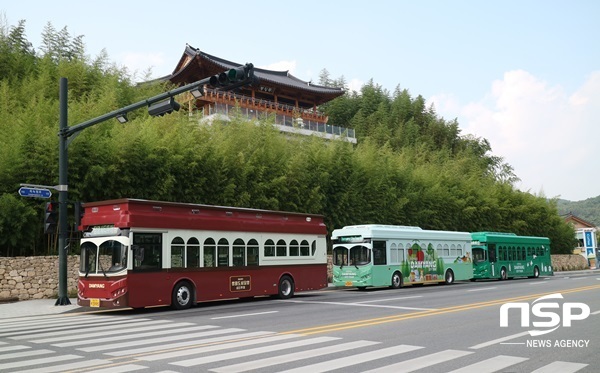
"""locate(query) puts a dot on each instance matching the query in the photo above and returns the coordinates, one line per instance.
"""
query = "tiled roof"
(283, 78)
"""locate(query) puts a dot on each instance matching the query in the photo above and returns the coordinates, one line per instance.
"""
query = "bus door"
(146, 281)
(382, 274)
(492, 255)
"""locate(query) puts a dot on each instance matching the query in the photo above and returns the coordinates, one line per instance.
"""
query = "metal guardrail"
(289, 121)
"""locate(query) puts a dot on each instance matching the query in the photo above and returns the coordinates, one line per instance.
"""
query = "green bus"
(394, 256)
(506, 255)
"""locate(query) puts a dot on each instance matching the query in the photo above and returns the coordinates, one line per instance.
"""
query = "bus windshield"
(110, 257)
(360, 255)
(479, 255)
(340, 256)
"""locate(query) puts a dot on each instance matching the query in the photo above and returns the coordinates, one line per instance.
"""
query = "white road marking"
(243, 315)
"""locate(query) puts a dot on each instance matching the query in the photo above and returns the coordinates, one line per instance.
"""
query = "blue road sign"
(34, 192)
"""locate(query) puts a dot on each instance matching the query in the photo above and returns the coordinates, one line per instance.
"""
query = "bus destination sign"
(349, 239)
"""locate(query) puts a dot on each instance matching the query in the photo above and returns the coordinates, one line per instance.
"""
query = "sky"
(525, 75)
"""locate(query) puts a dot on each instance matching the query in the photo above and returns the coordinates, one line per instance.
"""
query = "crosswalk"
(114, 344)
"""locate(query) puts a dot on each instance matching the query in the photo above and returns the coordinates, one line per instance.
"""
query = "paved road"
(428, 329)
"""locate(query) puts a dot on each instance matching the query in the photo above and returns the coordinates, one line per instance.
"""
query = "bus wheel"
(503, 275)
(182, 296)
(536, 272)
(396, 280)
(286, 287)
(449, 278)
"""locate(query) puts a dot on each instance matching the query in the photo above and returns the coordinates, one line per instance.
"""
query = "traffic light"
(51, 217)
(78, 212)
(233, 78)
(163, 107)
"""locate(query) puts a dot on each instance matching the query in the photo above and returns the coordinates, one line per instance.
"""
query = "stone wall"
(34, 277)
(569, 263)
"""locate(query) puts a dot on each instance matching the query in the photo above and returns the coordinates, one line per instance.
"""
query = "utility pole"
(63, 297)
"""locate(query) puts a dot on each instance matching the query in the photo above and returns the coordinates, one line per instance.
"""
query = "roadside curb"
(578, 272)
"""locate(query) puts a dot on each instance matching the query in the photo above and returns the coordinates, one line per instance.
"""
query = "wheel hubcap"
(286, 287)
(183, 295)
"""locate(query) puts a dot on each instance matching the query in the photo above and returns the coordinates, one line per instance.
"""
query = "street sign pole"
(63, 297)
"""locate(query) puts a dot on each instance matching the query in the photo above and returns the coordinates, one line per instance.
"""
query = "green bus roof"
(498, 237)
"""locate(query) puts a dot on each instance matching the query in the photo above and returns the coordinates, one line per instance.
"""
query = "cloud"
(355, 85)
(545, 133)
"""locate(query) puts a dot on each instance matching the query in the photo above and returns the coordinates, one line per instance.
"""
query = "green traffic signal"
(237, 75)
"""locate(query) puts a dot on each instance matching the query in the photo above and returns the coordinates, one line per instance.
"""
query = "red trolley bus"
(140, 253)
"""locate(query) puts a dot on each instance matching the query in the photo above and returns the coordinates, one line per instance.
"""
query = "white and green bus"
(395, 256)
(506, 255)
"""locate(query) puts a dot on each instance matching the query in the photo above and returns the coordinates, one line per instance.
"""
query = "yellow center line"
(419, 314)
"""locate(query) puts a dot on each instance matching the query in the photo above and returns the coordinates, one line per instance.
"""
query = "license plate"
(94, 302)
(348, 283)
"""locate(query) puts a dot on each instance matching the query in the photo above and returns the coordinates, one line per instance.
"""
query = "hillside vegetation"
(410, 166)
(588, 209)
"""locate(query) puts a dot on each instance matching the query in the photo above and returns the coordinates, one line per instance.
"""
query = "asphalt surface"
(37, 307)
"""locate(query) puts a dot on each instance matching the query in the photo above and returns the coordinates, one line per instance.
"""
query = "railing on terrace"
(287, 117)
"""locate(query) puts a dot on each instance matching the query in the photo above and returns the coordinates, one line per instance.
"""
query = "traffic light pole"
(63, 296)
(234, 78)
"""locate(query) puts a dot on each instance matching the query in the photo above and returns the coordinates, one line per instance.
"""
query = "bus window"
(269, 248)
(209, 253)
(238, 252)
(478, 255)
(492, 252)
(252, 253)
(193, 253)
(393, 253)
(223, 253)
(294, 248)
(304, 249)
(340, 256)
(112, 256)
(360, 255)
(446, 250)
(89, 253)
(177, 252)
(281, 249)
(379, 254)
(522, 254)
(148, 251)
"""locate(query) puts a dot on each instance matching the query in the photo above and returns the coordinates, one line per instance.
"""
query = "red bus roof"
(138, 213)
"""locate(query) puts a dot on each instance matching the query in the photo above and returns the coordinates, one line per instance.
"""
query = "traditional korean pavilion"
(293, 101)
